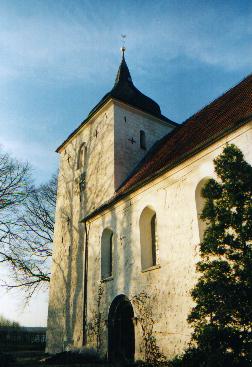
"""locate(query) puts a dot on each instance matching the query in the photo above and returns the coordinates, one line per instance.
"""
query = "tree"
(14, 183)
(6, 323)
(222, 317)
(26, 235)
(14, 189)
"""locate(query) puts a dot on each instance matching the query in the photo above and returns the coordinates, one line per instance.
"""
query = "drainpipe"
(85, 280)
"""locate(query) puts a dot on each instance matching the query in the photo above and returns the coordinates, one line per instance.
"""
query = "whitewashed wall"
(163, 293)
(104, 138)
(128, 123)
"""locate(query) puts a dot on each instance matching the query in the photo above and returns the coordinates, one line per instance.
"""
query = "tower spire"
(123, 74)
(125, 91)
(123, 48)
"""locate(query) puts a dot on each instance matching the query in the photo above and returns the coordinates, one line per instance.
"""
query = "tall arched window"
(142, 140)
(148, 238)
(200, 202)
(81, 155)
(106, 253)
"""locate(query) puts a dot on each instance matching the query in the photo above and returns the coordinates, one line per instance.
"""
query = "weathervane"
(123, 38)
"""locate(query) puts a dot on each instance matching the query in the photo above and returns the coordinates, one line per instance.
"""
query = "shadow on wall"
(80, 198)
(68, 312)
(114, 240)
(123, 282)
(200, 203)
(65, 315)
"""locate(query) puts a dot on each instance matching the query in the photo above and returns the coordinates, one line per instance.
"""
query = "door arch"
(121, 333)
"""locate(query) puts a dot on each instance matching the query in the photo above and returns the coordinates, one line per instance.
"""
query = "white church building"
(127, 228)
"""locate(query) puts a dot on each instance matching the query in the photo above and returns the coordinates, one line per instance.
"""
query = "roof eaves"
(159, 117)
(95, 110)
(82, 124)
(169, 166)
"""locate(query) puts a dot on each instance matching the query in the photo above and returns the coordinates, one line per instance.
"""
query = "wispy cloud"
(66, 42)
(56, 57)
(39, 156)
(71, 43)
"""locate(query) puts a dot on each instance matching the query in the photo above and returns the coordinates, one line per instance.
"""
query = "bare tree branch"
(26, 226)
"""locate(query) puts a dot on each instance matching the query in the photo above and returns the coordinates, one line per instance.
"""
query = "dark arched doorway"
(121, 333)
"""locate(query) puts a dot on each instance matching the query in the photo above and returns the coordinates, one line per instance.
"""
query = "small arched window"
(148, 238)
(142, 140)
(106, 253)
(81, 156)
(200, 203)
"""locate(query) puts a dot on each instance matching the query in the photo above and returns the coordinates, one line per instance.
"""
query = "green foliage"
(222, 317)
(144, 305)
(6, 323)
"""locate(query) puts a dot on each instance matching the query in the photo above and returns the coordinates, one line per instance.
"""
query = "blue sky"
(58, 58)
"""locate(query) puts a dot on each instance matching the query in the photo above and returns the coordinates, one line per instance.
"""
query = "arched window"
(81, 155)
(200, 202)
(106, 253)
(148, 238)
(142, 140)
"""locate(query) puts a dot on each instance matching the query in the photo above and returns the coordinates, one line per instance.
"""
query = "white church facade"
(127, 228)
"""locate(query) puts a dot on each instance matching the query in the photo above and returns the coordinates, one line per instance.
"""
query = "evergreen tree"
(222, 317)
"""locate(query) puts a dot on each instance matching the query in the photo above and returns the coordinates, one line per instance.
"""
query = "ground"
(35, 359)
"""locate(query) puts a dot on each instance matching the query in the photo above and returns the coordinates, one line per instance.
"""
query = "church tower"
(138, 124)
(118, 132)
(95, 160)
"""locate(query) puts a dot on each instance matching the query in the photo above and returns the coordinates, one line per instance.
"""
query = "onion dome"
(125, 91)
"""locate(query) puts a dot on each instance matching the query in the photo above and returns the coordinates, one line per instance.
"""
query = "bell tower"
(117, 134)
(95, 160)
(138, 124)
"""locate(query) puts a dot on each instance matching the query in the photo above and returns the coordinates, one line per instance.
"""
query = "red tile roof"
(222, 115)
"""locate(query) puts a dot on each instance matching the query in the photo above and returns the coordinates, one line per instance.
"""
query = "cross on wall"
(132, 140)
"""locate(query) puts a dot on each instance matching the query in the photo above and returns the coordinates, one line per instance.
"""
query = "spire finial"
(123, 48)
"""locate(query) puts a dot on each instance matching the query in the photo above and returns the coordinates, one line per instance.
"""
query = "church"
(127, 223)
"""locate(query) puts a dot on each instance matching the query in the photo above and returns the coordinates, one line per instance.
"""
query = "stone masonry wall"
(161, 296)
(105, 136)
(128, 123)
(65, 312)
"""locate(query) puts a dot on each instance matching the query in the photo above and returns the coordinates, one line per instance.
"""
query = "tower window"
(81, 156)
(106, 253)
(142, 140)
